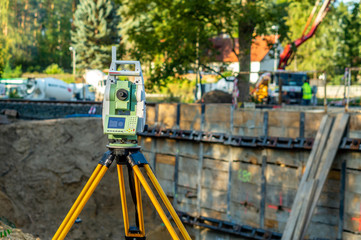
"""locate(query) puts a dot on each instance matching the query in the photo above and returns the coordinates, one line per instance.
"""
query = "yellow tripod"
(133, 159)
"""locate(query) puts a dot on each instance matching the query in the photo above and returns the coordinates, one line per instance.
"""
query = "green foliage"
(174, 34)
(336, 44)
(53, 69)
(11, 73)
(95, 33)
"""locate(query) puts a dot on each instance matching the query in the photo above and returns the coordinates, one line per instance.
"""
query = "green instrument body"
(121, 122)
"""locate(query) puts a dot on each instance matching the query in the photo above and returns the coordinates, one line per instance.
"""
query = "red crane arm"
(288, 53)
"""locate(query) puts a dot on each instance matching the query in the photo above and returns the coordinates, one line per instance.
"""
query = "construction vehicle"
(289, 83)
(44, 89)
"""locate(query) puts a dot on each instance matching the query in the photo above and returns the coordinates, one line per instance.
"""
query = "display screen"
(116, 122)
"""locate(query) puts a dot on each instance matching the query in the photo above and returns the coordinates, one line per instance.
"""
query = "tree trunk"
(245, 32)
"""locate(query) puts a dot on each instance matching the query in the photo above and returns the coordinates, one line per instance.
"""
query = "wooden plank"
(189, 149)
(313, 121)
(165, 171)
(190, 117)
(248, 118)
(327, 158)
(245, 214)
(263, 191)
(167, 115)
(217, 151)
(214, 199)
(165, 159)
(350, 236)
(253, 156)
(297, 205)
(208, 212)
(342, 199)
(214, 179)
(305, 209)
(284, 119)
(166, 146)
(150, 116)
(287, 157)
(296, 208)
(217, 117)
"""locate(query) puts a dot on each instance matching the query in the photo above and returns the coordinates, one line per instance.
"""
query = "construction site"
(230, 174)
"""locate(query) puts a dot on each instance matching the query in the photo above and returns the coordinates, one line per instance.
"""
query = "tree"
(95, 33)
(171, 33)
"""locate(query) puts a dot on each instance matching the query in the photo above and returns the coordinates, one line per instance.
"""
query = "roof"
(259, 48)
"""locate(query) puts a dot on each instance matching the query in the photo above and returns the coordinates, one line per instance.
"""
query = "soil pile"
(44, 166)
(8, 232)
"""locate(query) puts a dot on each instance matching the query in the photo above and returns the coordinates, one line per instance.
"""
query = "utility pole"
(274, 27)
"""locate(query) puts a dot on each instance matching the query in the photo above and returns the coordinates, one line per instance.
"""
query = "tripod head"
(124, 103)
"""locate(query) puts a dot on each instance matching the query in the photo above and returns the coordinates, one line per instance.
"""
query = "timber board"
(292, 158)
(167, 186)
(217, 118)
(150, 116)
(165, 146)
(245, 173)
(207, 212)
(214, 199)
(188, 149)
(247, 118)
(190, 117)
(213, 179)
(284, 119)
(242, 214)
(146, 143)
(164, 171)
(167, 115)
(283, 176)
(350, 236)
(216, 151)
(249, 132)
(250, 155)
(187, 195)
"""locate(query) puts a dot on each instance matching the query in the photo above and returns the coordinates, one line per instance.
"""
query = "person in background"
(306, 93)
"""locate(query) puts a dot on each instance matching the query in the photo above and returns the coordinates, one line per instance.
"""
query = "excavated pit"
(44, 166)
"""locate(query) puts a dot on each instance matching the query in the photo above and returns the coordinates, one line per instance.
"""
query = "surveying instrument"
(123, 117)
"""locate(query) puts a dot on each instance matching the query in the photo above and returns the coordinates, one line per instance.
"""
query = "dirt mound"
(9, 232)
(216, 96)
(45, 164)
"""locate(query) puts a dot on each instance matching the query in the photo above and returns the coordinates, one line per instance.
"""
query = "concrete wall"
(250, 186)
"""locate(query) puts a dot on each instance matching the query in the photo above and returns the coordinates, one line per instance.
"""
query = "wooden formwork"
(251, 186)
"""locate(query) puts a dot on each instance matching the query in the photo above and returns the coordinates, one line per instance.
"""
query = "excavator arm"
(290, 50)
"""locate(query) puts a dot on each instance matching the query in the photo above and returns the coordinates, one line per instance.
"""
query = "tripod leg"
(125, 207)
(78, 200)
(155, 202)
(84, 196)
(167, 202)
(139, 204)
